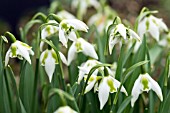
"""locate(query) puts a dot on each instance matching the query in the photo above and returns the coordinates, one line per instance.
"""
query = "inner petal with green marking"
(145, 83)
(78, 46)
(111, 85)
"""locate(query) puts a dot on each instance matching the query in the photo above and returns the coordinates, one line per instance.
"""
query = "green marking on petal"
(147, 25)
(54, 55)
(48, 29)
(145, 83)
(91, 79)
(14, 50)
(44, 57)
(78, 46)
(25, 45)
(111, 85)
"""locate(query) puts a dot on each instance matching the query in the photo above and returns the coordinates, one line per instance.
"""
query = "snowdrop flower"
(119, 34)
(20, 50)
(85, 68)
(152, 25)
(80, 45)
(65, 109)
(49, 58)
(144, 83)
(84, 4)
(165, 41)
(48, 31)
(65, 15)
(67, 28)
(108, 84)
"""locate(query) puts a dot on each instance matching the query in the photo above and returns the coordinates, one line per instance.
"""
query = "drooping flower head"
(65, 109)
(49, 58)
(80, 45)
(47, 31)
(147, 23)
(67, 29)
(108, 84)
(20, 50)
(144, 83)
(120, 34)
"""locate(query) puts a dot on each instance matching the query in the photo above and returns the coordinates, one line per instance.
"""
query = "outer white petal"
(163, 42)
(154, 30)
(88, 49)
(65, 15)
(122, 30)
(65, 109)
(63, 58)
(41, 57)
(134, 35)
(90, 84)
(94, 3)
(81, 75)
(117, 85)
(77, 24)
(163, 26)
(62, 37)
(136, 90)
(112, 42)
(50, 66)
(103, 92)
(71, 53)
(72, 36)
(7, 57)
(23, 51)
(155, 87)
(142, 27)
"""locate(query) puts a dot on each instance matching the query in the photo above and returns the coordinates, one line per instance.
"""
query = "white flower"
(152, 25)
(108, 84)
(48, 31)
(19, 49)
(81, 46)
(67, 28)
(84, 4)
(119, 34)
(85, 68)
(65, 109)
(65, 15)
(144, 83)
(49, 58)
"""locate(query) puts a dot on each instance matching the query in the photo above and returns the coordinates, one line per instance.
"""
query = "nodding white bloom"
(20, 50)
(144, 83)
(67, 28)
(65, 109)
(48, 31)
(165, 41)
(120, 34)
(65, 15)
(152, 25)
(85, 68)
(84, 4)
(108, 84)
(49, 58)
(80, 45)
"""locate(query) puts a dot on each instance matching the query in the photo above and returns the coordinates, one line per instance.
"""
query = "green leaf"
(166, 104)
(154, 53)
(124, 104)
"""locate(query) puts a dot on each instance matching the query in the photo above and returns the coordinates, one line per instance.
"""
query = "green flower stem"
(41, 15)
(10, 36)
(55, 17)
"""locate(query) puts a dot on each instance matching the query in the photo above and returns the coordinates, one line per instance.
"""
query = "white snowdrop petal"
(122, 30)
(62, 37)
(142, 27)
(65, 109)
(24, 52)
(7, 57)
(88, 49)
(154, 30)
(155, 87)
(50, 66)
(112, 42)
(136, 90)
(103, 94)
(90, 84)
(71, 53)
(63, 58)
(72, 36)
(134, 35)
